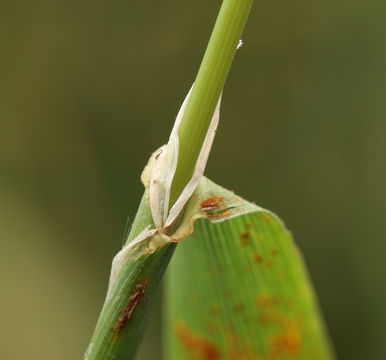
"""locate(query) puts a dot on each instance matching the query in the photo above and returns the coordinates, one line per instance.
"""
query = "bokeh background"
(88, 89)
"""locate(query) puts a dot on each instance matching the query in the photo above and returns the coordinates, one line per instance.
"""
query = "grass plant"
(237, 287)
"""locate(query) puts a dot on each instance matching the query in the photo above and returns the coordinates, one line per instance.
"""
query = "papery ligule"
(164, 164)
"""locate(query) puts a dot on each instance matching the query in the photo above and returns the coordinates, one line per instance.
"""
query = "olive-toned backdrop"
(88, 89)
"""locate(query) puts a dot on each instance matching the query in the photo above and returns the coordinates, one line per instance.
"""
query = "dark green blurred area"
(90, 88)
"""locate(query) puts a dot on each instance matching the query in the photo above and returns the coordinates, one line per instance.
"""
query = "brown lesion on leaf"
(266, 301)
(134, 300)
(258, 258)
(245, 236)
(285, 342)
(216, 310)
(212, 327)
(237, 349)
(270, 318)
(238, 308)
(274, 252)
(228, 294)
(197, 346)
(266, 218)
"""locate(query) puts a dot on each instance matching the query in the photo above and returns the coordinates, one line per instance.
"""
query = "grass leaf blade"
(239, 290)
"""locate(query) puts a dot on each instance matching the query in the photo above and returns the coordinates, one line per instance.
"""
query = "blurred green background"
(90, 88)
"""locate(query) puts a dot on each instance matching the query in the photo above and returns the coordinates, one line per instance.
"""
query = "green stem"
(207, 89)
(123, 317)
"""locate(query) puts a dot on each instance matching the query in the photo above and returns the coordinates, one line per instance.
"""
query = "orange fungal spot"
(196, 344)
(286, 343)
(211, 205)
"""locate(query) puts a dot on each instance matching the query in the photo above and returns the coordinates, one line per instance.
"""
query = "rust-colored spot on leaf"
(196, 344)
(269, 318)
(215, 208)
(211, 205)
(274, 252)
(258, 258)
(264, 300)
(269, 264)
(238, 308)
(286, 343)
(250, 225)
(228, 294)
(216, 310)
(266, 219)
(134, 300)
(245, 238)
(238, 349)
(212, 327)
(219, 215)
